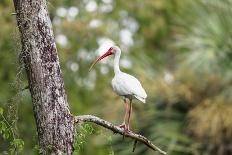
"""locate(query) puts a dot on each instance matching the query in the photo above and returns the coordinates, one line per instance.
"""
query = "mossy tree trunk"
(39, 53)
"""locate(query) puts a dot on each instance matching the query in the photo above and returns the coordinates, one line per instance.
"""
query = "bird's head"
(111, 51)
(115, 49)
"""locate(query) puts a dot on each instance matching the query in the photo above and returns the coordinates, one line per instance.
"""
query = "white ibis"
(124, 84)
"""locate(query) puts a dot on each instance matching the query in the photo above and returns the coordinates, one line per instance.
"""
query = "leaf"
(1, 111)
(18, 143)
(37, 150)
(6, 134)
(75, 152)
(2, 126)
(11, 151)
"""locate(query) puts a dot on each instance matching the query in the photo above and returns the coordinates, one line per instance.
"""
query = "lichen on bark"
(39, 53)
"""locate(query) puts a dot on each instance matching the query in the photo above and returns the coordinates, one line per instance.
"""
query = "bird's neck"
(116, 63)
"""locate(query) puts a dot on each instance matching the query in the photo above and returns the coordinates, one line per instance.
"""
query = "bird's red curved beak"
(109, 52)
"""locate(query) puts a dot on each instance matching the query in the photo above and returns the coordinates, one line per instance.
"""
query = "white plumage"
(124, 84)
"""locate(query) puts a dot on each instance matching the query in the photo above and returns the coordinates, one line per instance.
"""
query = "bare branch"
(116, 129)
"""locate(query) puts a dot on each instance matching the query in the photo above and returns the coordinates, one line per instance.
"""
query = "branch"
(116, 129)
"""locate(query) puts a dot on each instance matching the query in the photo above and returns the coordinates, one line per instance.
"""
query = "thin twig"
(134, 146)
(116, 129)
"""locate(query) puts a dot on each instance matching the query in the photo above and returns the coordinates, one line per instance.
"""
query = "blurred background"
(181, 51)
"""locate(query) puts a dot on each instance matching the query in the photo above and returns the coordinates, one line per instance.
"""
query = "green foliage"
(1, 111)
(207, 37)
(80, 138)
(84, 134)
(37, 150)
(16, 145)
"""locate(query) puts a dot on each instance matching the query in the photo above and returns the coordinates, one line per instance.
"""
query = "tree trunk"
(53, 119)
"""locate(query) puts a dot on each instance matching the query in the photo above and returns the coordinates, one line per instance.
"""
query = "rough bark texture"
(53, 119)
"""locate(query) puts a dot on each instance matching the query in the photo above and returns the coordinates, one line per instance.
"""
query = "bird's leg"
(130, 111)
(123, 125)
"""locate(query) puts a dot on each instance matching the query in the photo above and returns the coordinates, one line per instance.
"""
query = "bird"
(124, 85)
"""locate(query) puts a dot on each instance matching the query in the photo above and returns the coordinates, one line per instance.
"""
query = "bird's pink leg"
(123, 125)
(130, 111)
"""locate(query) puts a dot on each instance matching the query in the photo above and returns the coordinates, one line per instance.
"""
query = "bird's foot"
(123, 126)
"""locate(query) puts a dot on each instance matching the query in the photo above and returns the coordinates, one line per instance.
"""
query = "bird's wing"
(130, 85)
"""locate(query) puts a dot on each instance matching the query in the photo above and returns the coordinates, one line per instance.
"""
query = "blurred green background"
(181, 51)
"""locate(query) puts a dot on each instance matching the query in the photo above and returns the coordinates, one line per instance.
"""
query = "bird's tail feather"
(140, 99)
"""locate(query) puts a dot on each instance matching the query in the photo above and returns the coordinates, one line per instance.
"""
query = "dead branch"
(116, 129)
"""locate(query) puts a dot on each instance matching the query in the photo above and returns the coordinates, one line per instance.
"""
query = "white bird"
(124, 84)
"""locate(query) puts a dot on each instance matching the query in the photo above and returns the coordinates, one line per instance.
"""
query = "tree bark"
(39, 53)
